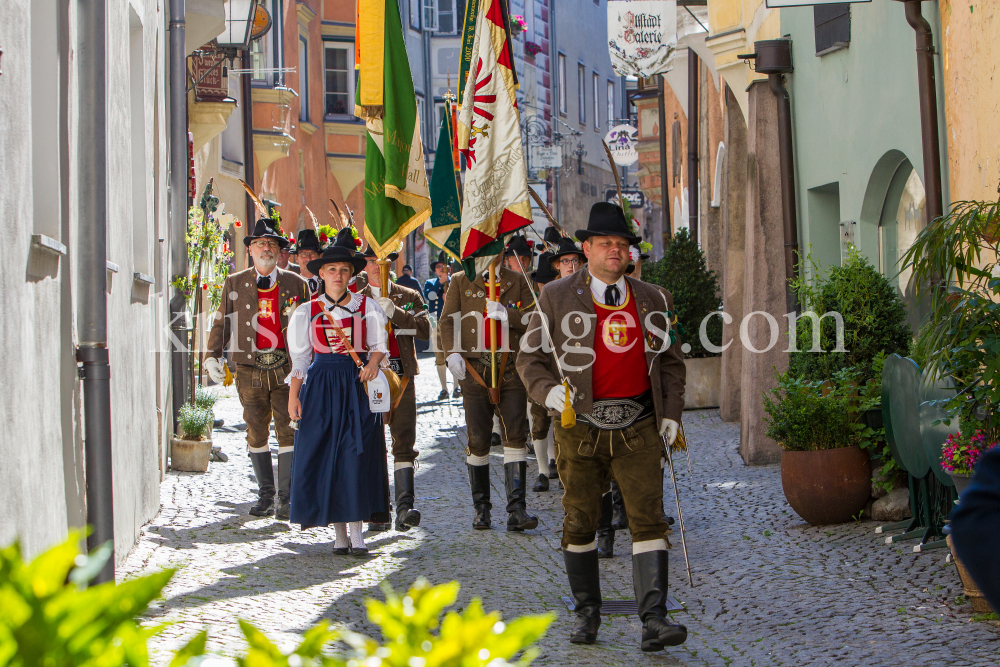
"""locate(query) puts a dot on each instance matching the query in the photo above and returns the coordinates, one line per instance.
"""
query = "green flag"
(397, 199)
(445, 228)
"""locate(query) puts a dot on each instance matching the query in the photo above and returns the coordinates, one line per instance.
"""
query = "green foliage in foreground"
(50, 618)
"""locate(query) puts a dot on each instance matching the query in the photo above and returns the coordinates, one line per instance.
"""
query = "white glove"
(456, 364)
(386, 304)
(668, 430)
(496, 311)
(556, 400)
(213, 367)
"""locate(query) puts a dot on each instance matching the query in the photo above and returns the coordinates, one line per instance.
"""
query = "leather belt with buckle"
(616, 413)
(268, 360)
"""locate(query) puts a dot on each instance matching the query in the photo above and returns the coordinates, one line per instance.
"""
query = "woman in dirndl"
(339, 471)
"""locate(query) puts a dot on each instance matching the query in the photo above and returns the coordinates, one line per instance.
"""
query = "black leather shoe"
(282, 509)
(456, 392)
(518, 518)
(380, 527)
(264, 473)
(552, 469)
(406, 516)
(479, 482)
(541, 484)
(443, 396)
(359, 552)
(619, 518)
(649, 577)
(341, 551)
(585, 584)
(495, 440)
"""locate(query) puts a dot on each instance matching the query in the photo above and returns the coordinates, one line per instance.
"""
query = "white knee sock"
(443, 376)
(513, 455)
(401, 464)
(582, 548)
(357, 539)
(474, 460)
(341, 541)
(552, 449)
(649, 545)
(496, 425)
(541, 455)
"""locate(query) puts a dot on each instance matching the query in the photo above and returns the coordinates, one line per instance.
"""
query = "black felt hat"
(371, 253)
(306, 239)
(341, 250)
(551, 237)
(440, 260)
(519, 246)
(545, 273)
(567, 247)
(264, 229)
(607, 219)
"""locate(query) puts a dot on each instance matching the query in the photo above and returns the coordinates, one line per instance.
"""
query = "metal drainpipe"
(178, 202)
(661, 102)
(692, 119)
(250, 215)
(928, 109)
(774, 58)
(92, 313)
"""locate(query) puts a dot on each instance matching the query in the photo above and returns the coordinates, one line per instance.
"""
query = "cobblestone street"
(769, 589)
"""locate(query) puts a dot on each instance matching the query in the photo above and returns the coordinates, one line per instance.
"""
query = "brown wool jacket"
(239, 303)
(466, 297)
(408, 316)
(569, 301)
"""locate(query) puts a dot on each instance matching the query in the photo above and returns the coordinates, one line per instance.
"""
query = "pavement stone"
(769, 588)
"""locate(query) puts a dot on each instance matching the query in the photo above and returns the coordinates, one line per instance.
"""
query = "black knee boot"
(518, 518)
(282, 510)
(406, 516)
(605, 533)
(585, 584)
(619, 519)
(649, 576)
(264, 473)
(479, 481)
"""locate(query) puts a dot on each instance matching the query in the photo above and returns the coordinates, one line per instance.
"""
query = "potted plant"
(191, 450)
(206, 398)
(825, 474)
(684, 273)
(960, 454)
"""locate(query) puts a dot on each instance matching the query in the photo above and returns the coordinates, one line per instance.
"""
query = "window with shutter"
(833, 27)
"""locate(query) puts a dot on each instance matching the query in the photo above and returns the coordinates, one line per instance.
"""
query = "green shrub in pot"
(194, 421)
(801, 418)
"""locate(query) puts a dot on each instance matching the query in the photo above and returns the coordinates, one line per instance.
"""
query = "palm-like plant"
(955, 262)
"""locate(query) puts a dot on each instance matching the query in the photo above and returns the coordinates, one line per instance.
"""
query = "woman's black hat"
(440, 260)
(341, 250)
(551, 237)
(306, 239)
(264, 229)
(371, 253)
(545, 273)
(568, 247)
(518, 246)
(607, 219)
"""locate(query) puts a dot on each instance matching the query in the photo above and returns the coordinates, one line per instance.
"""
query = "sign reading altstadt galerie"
(642, 36)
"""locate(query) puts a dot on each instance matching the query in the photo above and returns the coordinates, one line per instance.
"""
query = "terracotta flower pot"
(827, 486)
(971, 590)
(190, 455)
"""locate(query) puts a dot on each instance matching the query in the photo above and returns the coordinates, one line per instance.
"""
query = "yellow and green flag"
(397, 197)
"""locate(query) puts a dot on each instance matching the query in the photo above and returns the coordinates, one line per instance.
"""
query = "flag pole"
(491, 284)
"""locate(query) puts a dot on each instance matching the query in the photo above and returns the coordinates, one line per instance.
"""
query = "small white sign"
(547, 157)
(621, 140)
(642, 36)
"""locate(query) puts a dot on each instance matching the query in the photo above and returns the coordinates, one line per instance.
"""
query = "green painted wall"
(855, 119)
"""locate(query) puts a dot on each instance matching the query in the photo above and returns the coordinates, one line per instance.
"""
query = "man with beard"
(626, 384)
(251, 323)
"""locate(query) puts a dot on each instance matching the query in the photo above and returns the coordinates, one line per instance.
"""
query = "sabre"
(680, 515)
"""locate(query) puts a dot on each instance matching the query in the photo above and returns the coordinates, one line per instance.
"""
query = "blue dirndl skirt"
(339, 470)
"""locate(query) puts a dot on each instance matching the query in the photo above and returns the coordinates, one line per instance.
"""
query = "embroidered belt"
(616, 413)
(484, 358)
(396, 365)
(268, 360)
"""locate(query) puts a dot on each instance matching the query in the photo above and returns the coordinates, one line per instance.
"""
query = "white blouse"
(299, 338)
